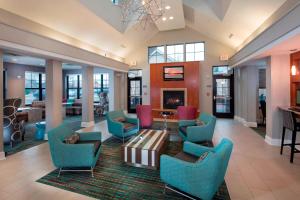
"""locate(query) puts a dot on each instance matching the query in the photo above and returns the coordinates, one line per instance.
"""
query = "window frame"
(77, 88)
(40, 87)
(102, 84)
(184, 52)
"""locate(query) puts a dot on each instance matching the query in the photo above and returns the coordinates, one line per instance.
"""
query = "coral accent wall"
(191, 82)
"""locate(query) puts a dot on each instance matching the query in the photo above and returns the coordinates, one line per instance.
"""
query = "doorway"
(134, 89)
(223, 92)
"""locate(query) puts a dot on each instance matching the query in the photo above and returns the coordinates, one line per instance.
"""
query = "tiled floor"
(256, 170)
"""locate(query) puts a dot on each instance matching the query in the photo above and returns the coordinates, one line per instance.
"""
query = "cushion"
(120, 119)
(96, 143)
(186, 157)
(72, 139)
(129, 126)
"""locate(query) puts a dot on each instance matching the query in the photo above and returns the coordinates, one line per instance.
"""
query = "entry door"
(223, 99)
(135, 93)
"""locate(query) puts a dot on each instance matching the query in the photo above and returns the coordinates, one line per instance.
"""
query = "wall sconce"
(294, 70)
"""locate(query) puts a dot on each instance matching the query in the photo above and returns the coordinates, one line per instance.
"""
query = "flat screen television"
(174, 73)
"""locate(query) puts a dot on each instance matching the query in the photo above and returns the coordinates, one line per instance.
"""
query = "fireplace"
(172, 98)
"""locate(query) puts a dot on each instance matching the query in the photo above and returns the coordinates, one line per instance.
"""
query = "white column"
(87, 97)
(53, 94)
(278, 94)
(2, 154)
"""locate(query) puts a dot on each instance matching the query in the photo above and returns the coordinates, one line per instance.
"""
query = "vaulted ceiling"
(98, 22)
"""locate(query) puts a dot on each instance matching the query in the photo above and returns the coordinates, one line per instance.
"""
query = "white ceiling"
(97, 22)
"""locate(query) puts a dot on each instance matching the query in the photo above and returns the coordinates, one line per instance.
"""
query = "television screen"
(174, 73)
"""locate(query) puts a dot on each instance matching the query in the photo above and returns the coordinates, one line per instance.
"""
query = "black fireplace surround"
(173, 99)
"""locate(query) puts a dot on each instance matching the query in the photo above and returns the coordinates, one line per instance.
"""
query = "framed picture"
(174, 73)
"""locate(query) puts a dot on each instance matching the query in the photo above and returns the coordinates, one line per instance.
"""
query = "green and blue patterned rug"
(116, 180)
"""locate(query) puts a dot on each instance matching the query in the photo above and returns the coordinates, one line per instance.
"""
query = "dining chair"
(290, 122)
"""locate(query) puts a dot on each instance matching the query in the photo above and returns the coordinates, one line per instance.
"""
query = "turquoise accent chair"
(194, 133)
(69, 157)
(201, 178)
(117, 128)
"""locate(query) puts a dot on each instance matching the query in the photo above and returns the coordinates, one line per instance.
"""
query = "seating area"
(150, 99)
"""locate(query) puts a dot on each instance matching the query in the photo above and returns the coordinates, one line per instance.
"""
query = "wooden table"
(144, 150)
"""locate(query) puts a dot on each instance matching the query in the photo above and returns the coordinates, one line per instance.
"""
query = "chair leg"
(293, 146)
(282, 140)
(59, 173)
(92, 171)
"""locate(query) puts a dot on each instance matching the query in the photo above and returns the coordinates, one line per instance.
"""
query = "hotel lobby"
(150, 99)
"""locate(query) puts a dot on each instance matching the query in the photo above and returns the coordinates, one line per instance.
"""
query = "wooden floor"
(256, 170)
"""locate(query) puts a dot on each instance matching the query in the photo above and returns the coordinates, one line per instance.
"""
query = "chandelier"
(144, 12)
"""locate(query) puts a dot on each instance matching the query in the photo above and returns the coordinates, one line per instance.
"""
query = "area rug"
(116, 180)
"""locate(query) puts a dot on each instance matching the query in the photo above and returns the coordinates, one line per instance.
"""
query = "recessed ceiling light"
(171, 17)
(168, 7)
(164, 18)
(14, 59)
(143, 2)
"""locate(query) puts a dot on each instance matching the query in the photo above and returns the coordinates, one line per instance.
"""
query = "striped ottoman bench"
(144, 150)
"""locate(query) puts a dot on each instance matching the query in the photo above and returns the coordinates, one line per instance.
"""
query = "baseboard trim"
(275, 142)
(2, 155)
(87, 124)
(245, 123)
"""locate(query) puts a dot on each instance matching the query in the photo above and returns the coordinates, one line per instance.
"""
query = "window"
(116, 2)
(74, 86)
(175, 53)
(156, 54)
(194, 51)
(101, 84)
(35, 87)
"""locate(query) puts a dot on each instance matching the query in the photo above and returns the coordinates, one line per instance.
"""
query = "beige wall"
(15, 85)
(213, 50)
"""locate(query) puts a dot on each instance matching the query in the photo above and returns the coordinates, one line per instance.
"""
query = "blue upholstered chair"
(120, 125)
(71, 157)
(201, 178)
(190, 131)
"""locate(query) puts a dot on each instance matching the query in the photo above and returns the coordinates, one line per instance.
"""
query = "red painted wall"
(191, 82)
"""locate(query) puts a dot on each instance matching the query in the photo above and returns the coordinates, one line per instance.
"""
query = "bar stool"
(289, 122)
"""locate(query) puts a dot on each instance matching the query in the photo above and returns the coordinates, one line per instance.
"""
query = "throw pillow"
(72, 139)
(120, 119)
(199, 122)
(203, 156)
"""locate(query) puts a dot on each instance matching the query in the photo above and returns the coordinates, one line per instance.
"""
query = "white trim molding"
(244, 122)
(2, 155)
(87, 124)
(275, 142)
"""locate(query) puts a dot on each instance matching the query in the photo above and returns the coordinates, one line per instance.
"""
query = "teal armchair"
(120, 125)
(201, 178)
(74, 157)
(190, 131)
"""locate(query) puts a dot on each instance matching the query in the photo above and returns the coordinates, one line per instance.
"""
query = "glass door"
(223, 101)
(134, 90)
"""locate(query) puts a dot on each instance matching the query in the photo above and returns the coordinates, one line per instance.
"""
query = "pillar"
(2, 154)
(53, 94)
(87, 97)
(278, 94)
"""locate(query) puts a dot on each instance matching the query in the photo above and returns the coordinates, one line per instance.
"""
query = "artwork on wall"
(174, 73)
